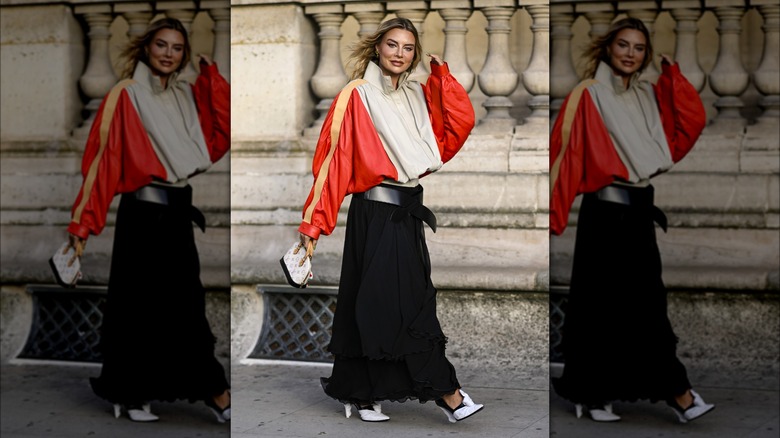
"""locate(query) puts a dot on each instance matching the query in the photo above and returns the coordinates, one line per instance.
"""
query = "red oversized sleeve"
(212, 98)
(117, 142)
(682, 112)
(582, 156)
(347, 158)
(449, 106)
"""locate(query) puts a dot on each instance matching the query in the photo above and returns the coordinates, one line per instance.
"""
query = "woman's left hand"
(667, 59)
(206, 59)
(435, 58)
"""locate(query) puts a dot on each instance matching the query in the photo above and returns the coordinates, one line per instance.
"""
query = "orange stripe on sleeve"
(335, 131)
(105, 125)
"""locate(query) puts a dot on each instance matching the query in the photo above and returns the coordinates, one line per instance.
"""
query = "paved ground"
(275, 401)
(271, 400)
(748, 413)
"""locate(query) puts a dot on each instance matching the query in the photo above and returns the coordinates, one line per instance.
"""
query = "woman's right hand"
(78, 244)
(308, 243)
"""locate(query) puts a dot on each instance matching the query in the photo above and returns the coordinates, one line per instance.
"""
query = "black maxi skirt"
(618, 343)
(387, 341)
(155, 340)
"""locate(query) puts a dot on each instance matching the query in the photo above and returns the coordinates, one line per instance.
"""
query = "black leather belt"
(175, 197)
(410, 204)
(641, 197)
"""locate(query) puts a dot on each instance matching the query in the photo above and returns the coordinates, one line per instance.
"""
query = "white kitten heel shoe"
(696, 409)
(466, 408)
(141, 414)
(602, 414)
(370, 413)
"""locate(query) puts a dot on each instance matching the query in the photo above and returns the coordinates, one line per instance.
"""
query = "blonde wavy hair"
(599, 48)
(136, 50)
(364, 51)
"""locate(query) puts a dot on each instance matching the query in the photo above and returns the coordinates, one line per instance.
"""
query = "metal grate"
(66, 324)
(296, 323)
(559, 296)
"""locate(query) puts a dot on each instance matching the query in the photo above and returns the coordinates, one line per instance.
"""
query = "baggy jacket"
(119, 156)
(350, 157)
(583, 157)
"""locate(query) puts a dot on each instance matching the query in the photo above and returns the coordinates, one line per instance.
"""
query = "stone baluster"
(599, 22)
(455, 14)
(686, 52)
(99, 76)
(761, 151)
(182, 12)
(368, 16)
(329, 77)
(416, 13)
(536, 77)
(647, 16)
(767, 76)
(498, 78)
(138, 16)
(564, 76)
(221, 51)
(729, 79)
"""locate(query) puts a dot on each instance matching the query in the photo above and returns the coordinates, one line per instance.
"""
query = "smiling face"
(165, 53)
(396, 53)
(627, 52)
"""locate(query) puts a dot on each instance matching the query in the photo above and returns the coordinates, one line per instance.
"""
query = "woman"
(613, 134)
(151, 134)
(382, 134)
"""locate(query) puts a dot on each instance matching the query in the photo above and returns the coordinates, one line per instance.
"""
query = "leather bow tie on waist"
(411, 205)
(174, 197)
(635, 197)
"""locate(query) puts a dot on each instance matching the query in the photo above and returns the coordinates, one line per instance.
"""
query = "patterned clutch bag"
(297, 266)
(66, 276)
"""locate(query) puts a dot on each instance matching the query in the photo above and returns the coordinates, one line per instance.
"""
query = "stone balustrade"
(499, 77)
(722, 199)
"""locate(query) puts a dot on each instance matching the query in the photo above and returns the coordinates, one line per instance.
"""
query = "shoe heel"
(117, 410)
(347, 410)
(679, 414)
(578, 410)
(449, 415)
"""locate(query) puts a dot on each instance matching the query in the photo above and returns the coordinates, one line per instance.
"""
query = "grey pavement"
(739, 412)
(280, 400)
(57, 401)
(275, 400)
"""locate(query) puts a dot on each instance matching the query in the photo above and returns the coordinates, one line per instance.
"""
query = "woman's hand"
(308, 243)
(435, 58)
(78, 244)
(205, 59)
(667, 59)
